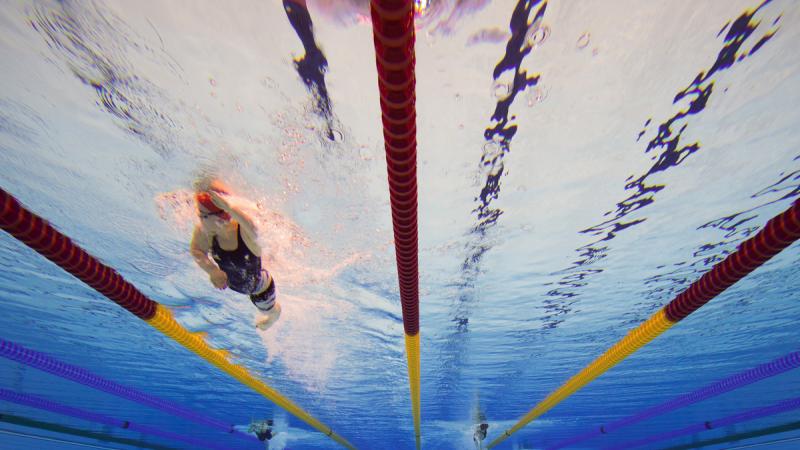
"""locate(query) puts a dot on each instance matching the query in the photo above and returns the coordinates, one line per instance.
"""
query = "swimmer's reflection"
(225, 246)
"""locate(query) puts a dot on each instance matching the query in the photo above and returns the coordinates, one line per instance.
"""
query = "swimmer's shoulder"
(250, 237)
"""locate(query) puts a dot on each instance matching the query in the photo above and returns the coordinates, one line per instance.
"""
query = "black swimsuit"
(245, 274)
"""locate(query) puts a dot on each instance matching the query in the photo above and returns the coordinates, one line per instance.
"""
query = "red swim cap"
(203, 199)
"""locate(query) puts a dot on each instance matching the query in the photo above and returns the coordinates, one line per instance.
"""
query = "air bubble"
(336, 135)
(501, 90)
(492, 151)
(537, 35)
(536, 95)
(268, 83)
(583, 41)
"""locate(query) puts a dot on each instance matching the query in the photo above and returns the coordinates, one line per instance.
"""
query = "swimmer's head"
(208, 212)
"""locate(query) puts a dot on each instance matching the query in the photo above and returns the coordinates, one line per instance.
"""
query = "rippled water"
(580, 163)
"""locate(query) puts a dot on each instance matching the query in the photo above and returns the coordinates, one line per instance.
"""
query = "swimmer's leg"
(268, 318)
(266, 303)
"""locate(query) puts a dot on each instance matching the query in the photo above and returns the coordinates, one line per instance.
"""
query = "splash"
(301, 342)
(177, 208)
(298, 339)
(460, 433)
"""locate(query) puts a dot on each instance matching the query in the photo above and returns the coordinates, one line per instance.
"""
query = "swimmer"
(262, 429)
(480, 434)
(225, 246)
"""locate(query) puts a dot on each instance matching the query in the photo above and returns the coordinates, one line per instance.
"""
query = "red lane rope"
(42, 237)
(776, 235)
(393, 33)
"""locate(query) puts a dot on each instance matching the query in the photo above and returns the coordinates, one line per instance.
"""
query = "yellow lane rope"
(634, 340)
(165, 323)
(412, 351)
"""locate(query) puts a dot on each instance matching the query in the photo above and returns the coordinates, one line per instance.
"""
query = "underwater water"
(580, 163)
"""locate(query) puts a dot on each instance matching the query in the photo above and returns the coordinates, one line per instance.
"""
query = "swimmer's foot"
(267, 319)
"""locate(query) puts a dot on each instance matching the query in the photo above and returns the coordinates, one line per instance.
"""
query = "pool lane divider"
(779, 232)
(783, 428)
(37, 234)
(394, 38)
(46, 363)
(47, 405)
(36, 437)
(752, 414)
(736, 381)
(65, 430)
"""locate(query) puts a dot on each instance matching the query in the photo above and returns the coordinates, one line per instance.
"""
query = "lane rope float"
(393, 36)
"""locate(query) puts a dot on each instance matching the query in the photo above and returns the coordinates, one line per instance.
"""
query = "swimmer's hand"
(218, 186)
(219, 279)
(217, 199)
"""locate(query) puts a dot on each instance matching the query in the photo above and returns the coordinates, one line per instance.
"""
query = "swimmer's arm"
(199, 249)
(245, 222)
